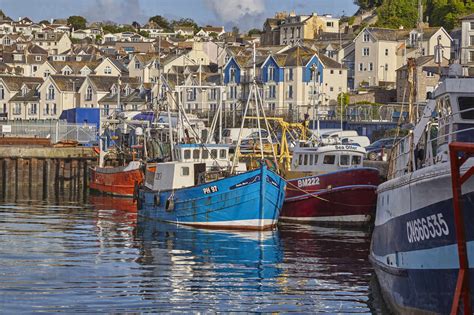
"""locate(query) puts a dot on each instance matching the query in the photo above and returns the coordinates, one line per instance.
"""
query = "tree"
(235, 31)
(77, 22)
(368, 4)
(161, 22)
(186, 22)
(45, 22)
(144, 34)
(344, 98)
(254, 31)
(396, 13)
(447, 13)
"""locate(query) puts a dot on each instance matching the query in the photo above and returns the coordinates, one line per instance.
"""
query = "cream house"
(145, 67)
(111, 67)
(296, 28)
(467, 40)
(58, 93)
(52, 42)
(9, 87)
(94, 88)
(25, 103)
(379, 52)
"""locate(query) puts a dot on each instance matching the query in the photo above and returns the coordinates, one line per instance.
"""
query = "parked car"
(375, 150)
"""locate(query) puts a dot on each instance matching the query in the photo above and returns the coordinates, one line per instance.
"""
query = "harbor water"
(89, 254)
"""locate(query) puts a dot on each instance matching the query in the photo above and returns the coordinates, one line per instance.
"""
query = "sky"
(245, 14)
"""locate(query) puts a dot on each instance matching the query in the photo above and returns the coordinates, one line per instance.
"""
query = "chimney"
(51, 21)
(19, 18)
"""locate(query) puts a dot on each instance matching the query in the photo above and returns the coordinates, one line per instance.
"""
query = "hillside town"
(50, 66)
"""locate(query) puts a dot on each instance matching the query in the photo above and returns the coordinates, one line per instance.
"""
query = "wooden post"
(45, 178)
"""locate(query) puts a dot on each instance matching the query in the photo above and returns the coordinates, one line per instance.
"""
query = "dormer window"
(366, 37)
(113, 90)
(37, 58)
(24, 90)
(89, 93)
(271, 73)
(107, 70)
(232, 74)
(137, 64)
(67, 71)
(413, 38)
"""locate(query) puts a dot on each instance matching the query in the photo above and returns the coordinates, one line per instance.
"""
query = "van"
(335, 136)
(231, 135)
(363, 141)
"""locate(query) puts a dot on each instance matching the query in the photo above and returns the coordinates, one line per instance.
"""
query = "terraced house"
(293, 81)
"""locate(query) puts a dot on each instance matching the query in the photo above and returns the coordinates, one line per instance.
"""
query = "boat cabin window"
(316, 159)
(344, 160)
(306, 159)
(311, 156)
(222, 154)
(205, 154)
(196, 154)
(214, 153)
(185, 171)
(187, 154)
(329, 159)
(466, 107)
(356, 160)
(300, 159)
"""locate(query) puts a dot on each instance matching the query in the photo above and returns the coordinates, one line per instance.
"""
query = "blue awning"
(150, 116)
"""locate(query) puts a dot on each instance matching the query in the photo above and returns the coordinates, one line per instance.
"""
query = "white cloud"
(232, 11)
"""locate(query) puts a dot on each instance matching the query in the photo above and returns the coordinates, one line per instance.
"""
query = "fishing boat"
(416, 238)
(191, 192)
(328, 184)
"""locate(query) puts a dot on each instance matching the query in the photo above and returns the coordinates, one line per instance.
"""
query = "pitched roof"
(468, 17)
(14, 83)
(76, 66)
(105, 83)
(67, 82)
(387, 34)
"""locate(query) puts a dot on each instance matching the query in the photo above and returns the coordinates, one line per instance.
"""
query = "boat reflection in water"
(295, 269)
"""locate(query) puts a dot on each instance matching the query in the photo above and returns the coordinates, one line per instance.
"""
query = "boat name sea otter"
(346, 147)
(427, 228)
(312, 181)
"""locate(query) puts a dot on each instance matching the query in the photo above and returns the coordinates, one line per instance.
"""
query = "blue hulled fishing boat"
(180, 193)
(416, 239)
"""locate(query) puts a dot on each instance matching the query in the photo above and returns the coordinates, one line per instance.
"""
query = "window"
(290, 74)
(222, 154)
(16, 109)
(50, 95)
(386, 67)
(37, 58)
(366, 37)
(2, 92)
(356, 160)
(272, 91)
(471, 56)
(344, 160)
(187, 154)
(471, 40)
(46, 109)
(371, 66)
(232, 74)
(466, 103)
(386, 52)
(66, 71)
(429, 74)
(329, 159)
(46, 73)
(332, 71)
(214, 154)
(365, 51)
(298, 32)
(185, 171)
(311, 156)
(89, 93)
(107, 70)
(315, 159)
(361, 66)
(305, 159)
(33, 109)
(106, 109)
(472, 25)
(205, 154)
(300, 159)
(290, 92)
(331, 89)
(271, 73)
(53, 109)
(330, 24)
(423, 52)
(196, 154)
(137, 64)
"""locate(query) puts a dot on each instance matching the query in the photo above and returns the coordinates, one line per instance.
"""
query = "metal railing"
(54, 130)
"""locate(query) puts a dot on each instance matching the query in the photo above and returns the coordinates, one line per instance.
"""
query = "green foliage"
(186, 22)
(351, 20)
(447, 13)
(77, 22)
(45, 22)
(98, 38)
(110, 28)
(396, 13)
(144, 34)
(368, 4)
(161, 22)
(254, 31)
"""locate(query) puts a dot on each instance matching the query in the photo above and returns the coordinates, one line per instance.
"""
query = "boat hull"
(117, 181)
(344, 197)
(248, 201)
(414, 249)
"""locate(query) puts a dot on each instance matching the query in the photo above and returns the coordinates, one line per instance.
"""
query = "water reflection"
(98, 257)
